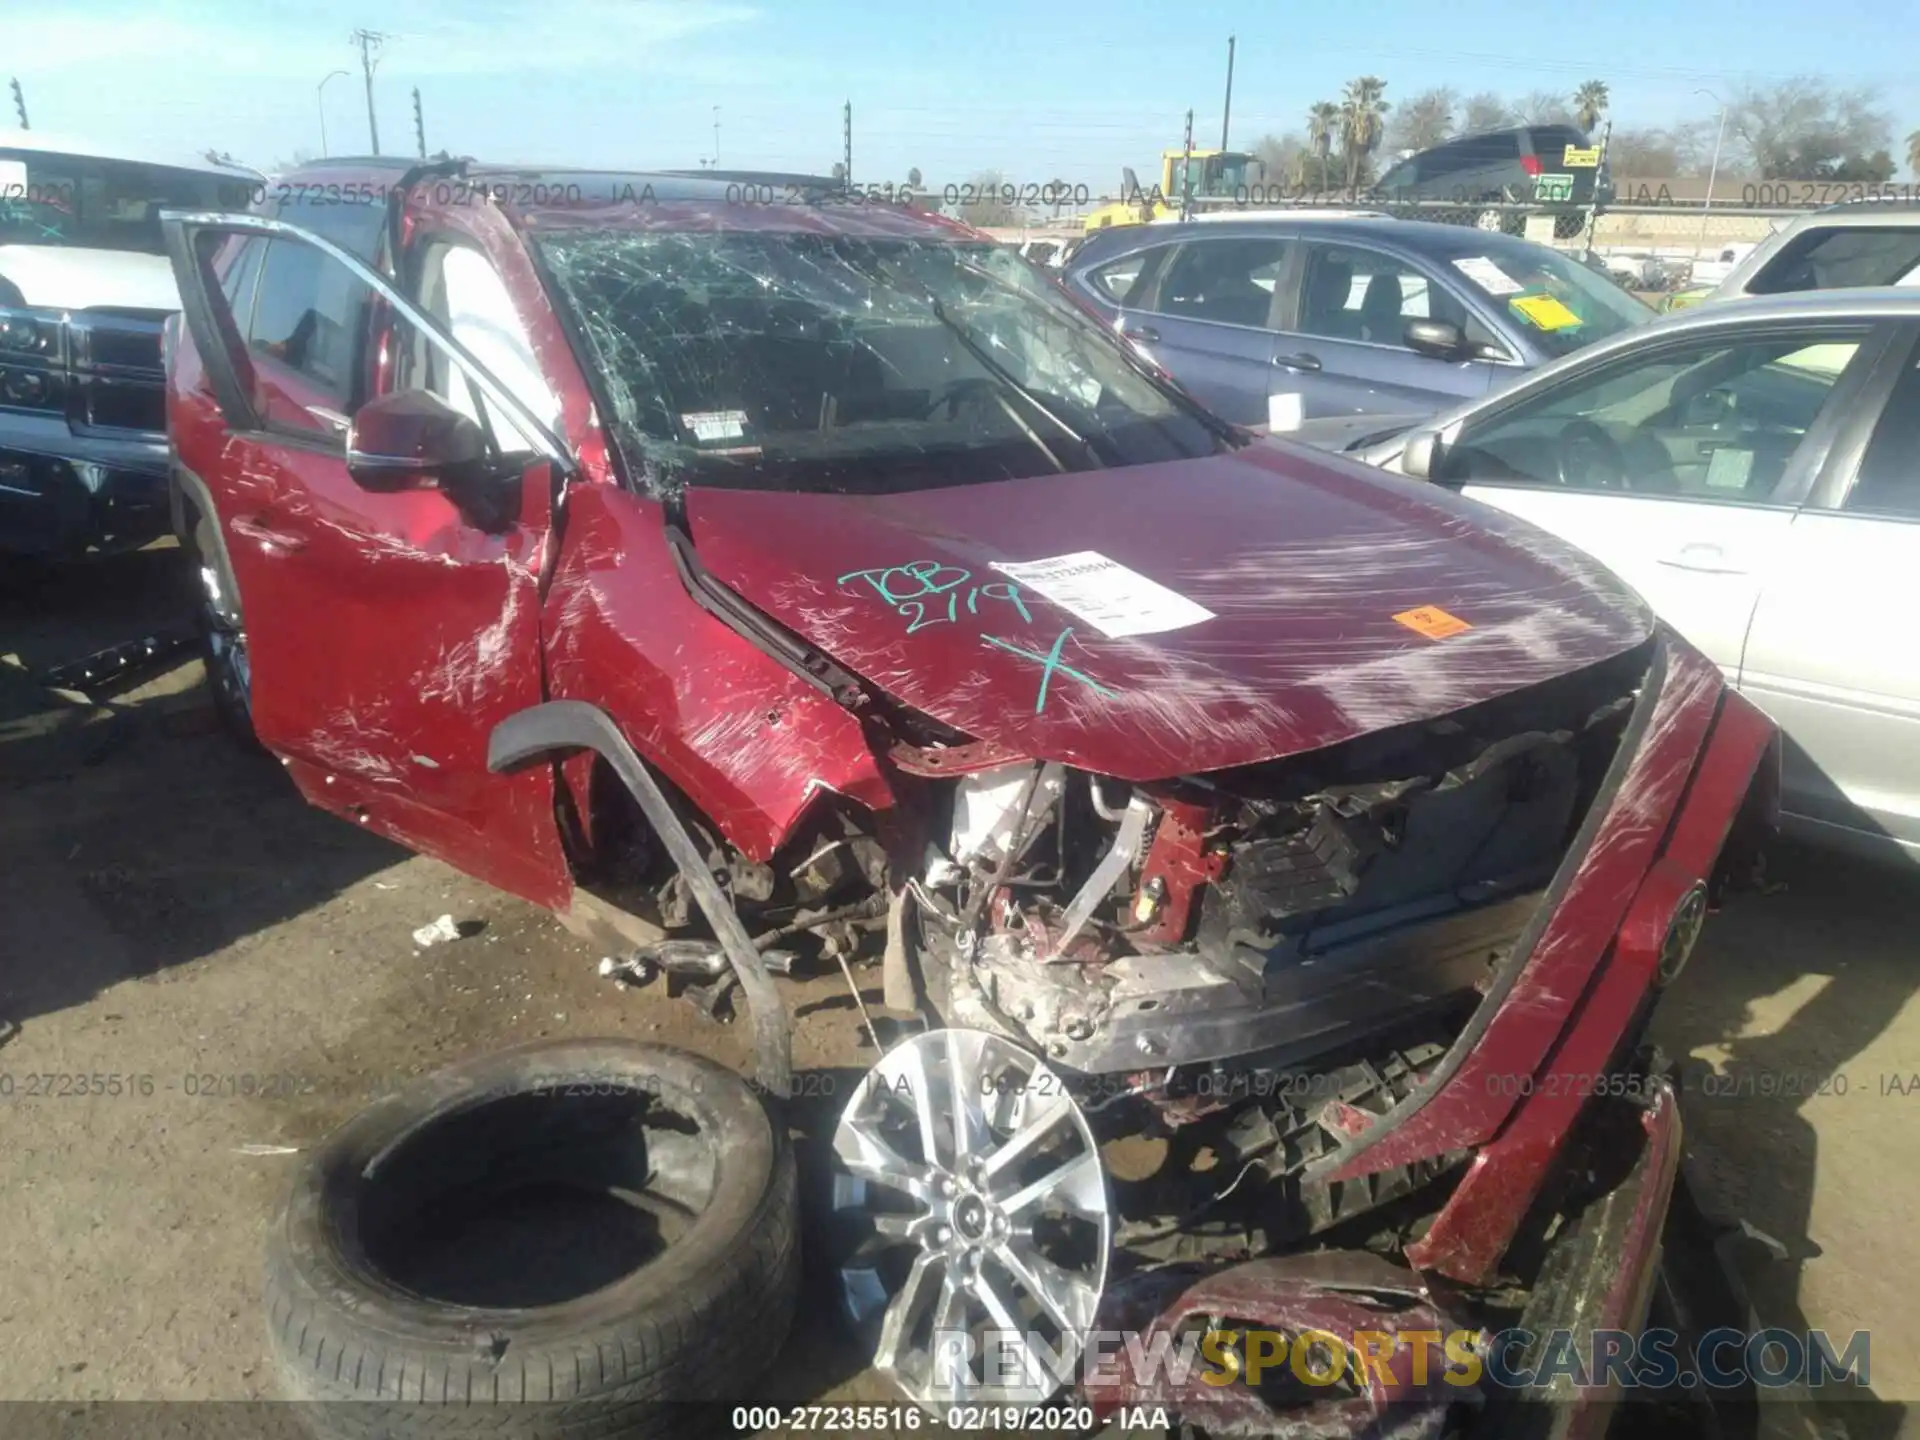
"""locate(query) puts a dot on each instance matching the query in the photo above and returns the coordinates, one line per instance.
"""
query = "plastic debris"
(624, 972)
(438, 932)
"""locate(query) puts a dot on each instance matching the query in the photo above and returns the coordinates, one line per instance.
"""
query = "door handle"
(250, 527)
(1297, 362)
(1145, 334)
(1703, 557)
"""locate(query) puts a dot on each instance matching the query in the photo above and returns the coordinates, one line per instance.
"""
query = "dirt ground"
(169, 908)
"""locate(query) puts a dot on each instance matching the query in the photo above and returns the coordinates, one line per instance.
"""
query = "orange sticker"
(1432, 622)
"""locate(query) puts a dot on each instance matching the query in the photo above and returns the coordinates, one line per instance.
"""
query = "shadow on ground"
(1785, 1009)
(132, 838)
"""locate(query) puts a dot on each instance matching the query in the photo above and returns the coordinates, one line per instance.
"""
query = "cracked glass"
(855, 365)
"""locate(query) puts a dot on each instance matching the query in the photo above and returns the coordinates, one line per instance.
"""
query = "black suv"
(1552, 166)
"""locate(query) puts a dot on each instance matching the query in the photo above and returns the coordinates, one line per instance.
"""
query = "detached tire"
(574, 1238)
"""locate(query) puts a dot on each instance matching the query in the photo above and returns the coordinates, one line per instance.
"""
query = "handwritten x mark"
(1050, 666)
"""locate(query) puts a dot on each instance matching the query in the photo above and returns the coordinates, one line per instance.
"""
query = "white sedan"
(1753, 469)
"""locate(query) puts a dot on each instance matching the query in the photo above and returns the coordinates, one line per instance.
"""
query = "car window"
(1888, 482)
(1119, 280)
(836, 364)
(1357, 294)
(242, 278)
(309, 317)
(1711, 419)
(459, 287)
(1227, 280)
(1557, 302)
(1841, 259)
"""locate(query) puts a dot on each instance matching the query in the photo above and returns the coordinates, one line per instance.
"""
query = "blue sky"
(1034, 90)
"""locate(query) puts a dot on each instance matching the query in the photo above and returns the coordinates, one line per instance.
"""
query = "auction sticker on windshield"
(1487, 275)
(1107, 595)
(1546, 312)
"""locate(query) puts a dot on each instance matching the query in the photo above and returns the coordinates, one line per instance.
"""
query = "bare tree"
(988, 208)
(1485, 111)
(1645, 154)
(913, 177)
(1424, 121)
(1805, 128)
(1913, 154)
(1281, 155)
(1543, 107)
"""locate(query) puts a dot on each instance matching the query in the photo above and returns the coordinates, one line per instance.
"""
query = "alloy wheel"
(975, 1219)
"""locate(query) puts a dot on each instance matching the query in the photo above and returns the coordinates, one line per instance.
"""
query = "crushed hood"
(59, 277)
(1247, 609)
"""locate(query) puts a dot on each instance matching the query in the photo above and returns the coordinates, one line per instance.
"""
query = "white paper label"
(1487, 275)
(1107, 595)
(711, 425)
(1728, 468)
(13, 179)
(1286, 411)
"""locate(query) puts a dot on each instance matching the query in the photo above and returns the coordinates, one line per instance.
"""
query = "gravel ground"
(170, 909)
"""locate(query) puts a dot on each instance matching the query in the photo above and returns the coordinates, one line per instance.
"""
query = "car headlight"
(25, 387)
(24, 335)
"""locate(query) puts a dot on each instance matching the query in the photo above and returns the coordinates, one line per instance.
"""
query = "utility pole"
(1226, 111)
(1186, 174)
(1713, 173)
(20, 105)
(716, 137)
(846, 140)
(369, 42)
(1599, 169)
(419, 125)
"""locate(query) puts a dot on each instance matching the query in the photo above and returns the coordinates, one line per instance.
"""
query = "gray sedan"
(1274, 319)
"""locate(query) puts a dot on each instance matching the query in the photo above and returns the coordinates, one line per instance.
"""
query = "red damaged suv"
(714, 557)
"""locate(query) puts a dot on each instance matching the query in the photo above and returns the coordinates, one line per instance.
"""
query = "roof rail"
(759, 177)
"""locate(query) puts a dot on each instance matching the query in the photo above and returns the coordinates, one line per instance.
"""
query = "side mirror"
(1421, 456)
(412, 440)
(1441, 339)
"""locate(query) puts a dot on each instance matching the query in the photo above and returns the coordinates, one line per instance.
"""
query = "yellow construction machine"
(1217, 177)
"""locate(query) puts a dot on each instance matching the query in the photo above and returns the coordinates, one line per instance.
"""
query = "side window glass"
(1227, 280)
(1120, 279)
(460, 288)
(307, 338)
(1717, 420)
(240, 279)
(1354, 294)
(1840, 260)
(1889, 478)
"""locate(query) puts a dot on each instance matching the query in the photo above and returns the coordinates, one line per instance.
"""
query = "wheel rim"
(971, 1199)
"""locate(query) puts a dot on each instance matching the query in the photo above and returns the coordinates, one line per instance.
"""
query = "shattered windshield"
(829, 363)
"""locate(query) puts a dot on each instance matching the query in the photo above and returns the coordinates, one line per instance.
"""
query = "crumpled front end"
(1362, 1000)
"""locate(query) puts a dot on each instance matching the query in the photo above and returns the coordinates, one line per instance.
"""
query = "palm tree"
(1323, 121)
(1590, 103)
(1362, 113)
(1913, 153)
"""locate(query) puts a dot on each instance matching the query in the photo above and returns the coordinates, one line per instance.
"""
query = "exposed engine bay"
(1281, 910)
(1264, 959)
